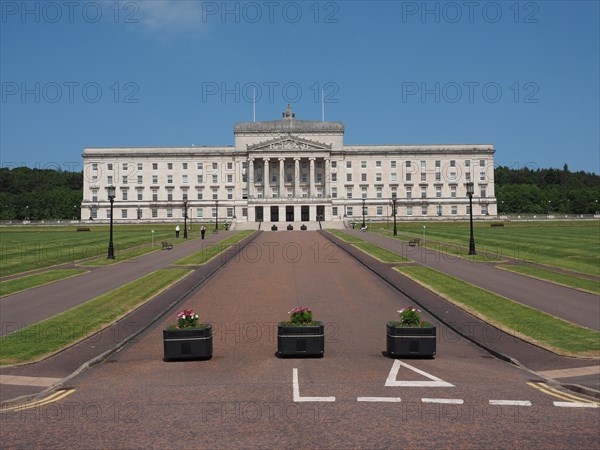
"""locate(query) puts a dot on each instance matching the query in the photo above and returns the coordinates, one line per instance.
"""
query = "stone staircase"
(282, 226)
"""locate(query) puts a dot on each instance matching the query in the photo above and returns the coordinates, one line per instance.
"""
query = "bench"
(166, 245)
(415, 241)
(496, 225)
(83, 229)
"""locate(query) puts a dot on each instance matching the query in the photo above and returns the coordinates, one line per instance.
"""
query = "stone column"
(311, 178)
(281, 177)
(326, 194)
(251, 180)
(297, 192)
(266, 193)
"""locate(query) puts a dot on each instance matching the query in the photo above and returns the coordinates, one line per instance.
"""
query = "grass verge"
(344, 237)
(39, 279)
(527, 323)
(57, 332)
(212, 250)
(380, 253)
(584, 284)
(120, 256)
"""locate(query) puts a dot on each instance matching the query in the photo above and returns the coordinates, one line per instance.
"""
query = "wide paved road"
(246, 397)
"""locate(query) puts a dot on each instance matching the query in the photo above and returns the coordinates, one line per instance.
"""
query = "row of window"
(410, 210)
(140, 213)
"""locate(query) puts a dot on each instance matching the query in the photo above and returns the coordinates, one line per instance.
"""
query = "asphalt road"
(244, 396)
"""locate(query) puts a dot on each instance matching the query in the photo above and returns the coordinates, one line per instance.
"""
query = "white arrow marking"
(391, 379)
(298, 398)
(448, 401)
(510, 402)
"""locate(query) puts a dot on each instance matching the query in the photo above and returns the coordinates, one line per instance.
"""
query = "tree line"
(47, 194)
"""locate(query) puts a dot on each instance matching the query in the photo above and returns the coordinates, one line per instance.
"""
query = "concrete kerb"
(573, 387)
(104, 355)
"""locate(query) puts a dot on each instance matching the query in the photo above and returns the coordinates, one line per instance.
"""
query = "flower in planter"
(410, 317)
(187, 319)
(299, 317)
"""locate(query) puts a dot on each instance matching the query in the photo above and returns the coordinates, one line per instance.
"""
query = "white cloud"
(170, 16)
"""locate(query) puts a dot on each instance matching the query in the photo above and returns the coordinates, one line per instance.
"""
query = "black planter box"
(191, 343)
(303, 227)
(297, 341)
(290, 227)
(409, 341)
(273, 227)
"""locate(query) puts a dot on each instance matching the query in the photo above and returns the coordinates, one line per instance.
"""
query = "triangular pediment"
(289, 143)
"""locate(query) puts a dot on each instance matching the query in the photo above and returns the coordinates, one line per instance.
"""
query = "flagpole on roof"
(254, 107)
(322, 107)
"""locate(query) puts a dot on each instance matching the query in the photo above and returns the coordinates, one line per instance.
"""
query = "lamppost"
(216, 216)
(394, 198)
(185, 236)
(363, 213)
(111, 248)
(470, 191)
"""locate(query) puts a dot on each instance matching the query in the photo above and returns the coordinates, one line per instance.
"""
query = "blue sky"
(523, 76)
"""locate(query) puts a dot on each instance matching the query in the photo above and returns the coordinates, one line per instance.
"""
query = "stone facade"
(288, 170)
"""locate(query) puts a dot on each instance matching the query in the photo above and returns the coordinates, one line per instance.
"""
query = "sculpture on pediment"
(288, 145)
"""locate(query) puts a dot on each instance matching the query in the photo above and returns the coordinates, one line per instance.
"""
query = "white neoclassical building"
(288, 170)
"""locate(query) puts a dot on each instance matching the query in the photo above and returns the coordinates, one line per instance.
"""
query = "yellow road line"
(51, 399)
(543, 387)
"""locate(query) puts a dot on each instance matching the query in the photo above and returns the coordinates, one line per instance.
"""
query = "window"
(304, 192)
(423, 191)
(290, 192)
(124, 179)
(200, 178)
(439, 210)
(467, 163)
(229, 166)
(215, 166)
(482, 163)
(454, 210)
(155, 213)
(348, 164)
(259, 192)
(334, 164)
(109, 166)
(319, 192)
(213, 212)
(124, 194)
(453, 191)
(348, 177)
(154, 166)
(229, 194)
(423, 176)
(424, 210)
(154, 179)
(379, 192)
(438, 191)
(393, 176)
(140, 179)
(408, 177)
(438, 164)
(483, 191)
(230, 178)
(438, 176)
(123, 214)
(334, 211)
(363, 193)
(408, 192)
(170, 195)
(140, 195)
(140, 166)
(334, 177)
(482, 176)
(109, 180)
(169, 166)
(244, 212)
(245, 193)
(363, 177)
(184, 195)
(199, 166)
(125, 166)
(393, 164)
(200, 213)
(380, 210)
(348, 192)
(409, 211)
(215, 194)
(184, 166)
(215, 179)
(169, 179)
(169, 213)
(378, 177)
(94, 213)
(363, 164)
(453, 176)
(200, 194)
(407, 163)
(108, 213)
(94, 195)
(184, 179)
(229, 213)
(484, 209)
(377, 163)
(333, 192)
(452, 163)
(154, 196)
(349, 211)
(95, 166)
(468, 176)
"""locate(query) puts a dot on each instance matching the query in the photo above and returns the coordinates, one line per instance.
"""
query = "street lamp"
(111, 248)
(363, 213)
(394, 198)
(216, 216)
(185, 236)
(470, 191)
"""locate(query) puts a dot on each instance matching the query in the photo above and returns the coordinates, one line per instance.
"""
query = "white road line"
(298, 398)
(391, 379)
(575, 405)
(450, 401)
(510, 402)
(378, 399)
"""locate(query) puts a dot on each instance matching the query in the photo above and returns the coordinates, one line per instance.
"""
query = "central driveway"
(244, 396)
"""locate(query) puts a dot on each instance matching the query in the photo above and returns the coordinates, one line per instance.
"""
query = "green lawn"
(585, 284)
(380, 253)
(57, 332)
(27, 248)
(573, 245)
(515, 318)
(212, 250)
(9, 287)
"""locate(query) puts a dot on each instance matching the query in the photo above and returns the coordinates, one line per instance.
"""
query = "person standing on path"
(202, 231)
(177, 231)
